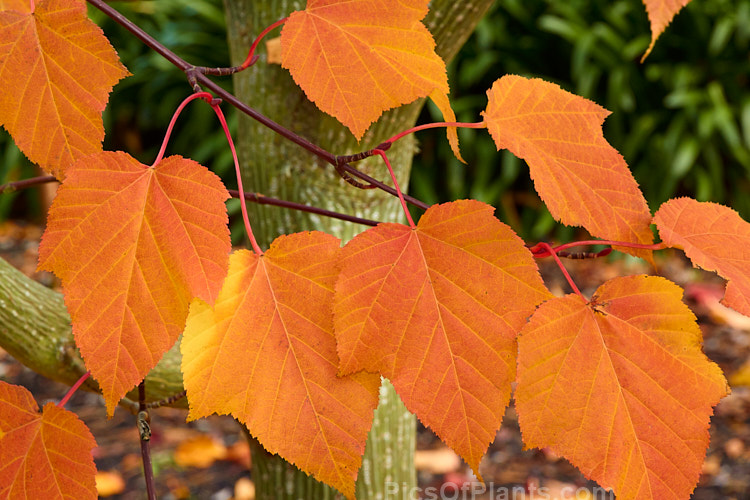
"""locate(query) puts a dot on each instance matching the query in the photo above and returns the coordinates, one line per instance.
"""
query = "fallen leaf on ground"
(109, 483)
(201, 451)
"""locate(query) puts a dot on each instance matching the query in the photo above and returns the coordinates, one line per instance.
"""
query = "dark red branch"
(228, 97)
(267, 200)
(252, 197)
(143, 423)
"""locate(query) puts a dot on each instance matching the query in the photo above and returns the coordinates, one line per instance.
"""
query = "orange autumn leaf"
(660, 14)
(17, 5)
(56, 71)
(133, 245)
(266, 354)
(357, 58)
(715, 238)
(620, 387)
(436, 310)
(444, 105)
(109, 483)
(47, 455)
(581, 178)
(200, 451)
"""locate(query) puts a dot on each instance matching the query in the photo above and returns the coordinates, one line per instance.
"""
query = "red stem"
(251, 53)
(541, 253)
(395, 183)
(73, 389)
(176, 114)
(243, 205)
(572, 284)
(434, 125)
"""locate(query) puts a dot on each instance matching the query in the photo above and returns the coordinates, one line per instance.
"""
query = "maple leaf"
(660, 14)
(47, 455)
(56, 71)
(357, 58)
(133, 245)
(620, 387)
(581, 178)
(267, 355)
(715, 238)
(436, 310)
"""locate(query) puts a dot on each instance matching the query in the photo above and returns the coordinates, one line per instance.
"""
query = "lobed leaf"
(266, 354)
(133, 245)
(47, 455)
(56, 71)
(436, 310)
(715, 238)
(620, 387)
(581, 178)
(357, 58)
(660, 14)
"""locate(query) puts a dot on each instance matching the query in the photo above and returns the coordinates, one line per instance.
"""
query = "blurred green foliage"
(681, 119)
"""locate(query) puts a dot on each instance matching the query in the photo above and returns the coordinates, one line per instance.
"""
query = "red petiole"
(395, 184)
(72, 390)
(243, 205)
(553, 252)
(251, 54)
(434, 125)
(214, 103)
(540, 249)
(197, 95)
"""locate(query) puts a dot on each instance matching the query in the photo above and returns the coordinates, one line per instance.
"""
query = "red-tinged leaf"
(660, 14)
(357, 58)
(47, 455)
(715, 238)
(267, 355)
(56, 71)
(436, 310)
(620, 387)
(581, 178)
(133, 245)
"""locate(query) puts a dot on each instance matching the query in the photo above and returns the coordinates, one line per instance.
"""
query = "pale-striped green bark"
(276, 167)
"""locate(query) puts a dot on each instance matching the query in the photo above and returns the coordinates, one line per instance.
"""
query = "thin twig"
(267, 200)
(167, 401)
(259, 198)
(27, 183)
(144, 429)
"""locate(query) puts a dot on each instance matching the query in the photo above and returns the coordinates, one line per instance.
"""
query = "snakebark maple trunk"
(279, 168)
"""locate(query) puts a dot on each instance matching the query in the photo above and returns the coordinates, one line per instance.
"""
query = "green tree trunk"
(276, 167)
